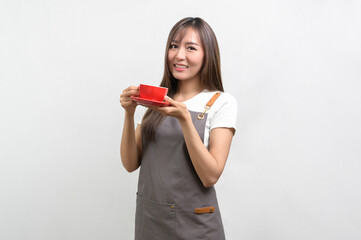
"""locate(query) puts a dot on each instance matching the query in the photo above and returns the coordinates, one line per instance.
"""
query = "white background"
(294, 66)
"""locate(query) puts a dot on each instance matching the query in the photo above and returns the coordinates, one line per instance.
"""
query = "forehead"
(187, 35)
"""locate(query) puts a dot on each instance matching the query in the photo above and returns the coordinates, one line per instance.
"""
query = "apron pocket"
(154, 220)
(200, 226)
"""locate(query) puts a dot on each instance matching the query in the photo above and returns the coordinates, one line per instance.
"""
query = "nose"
(180, 54)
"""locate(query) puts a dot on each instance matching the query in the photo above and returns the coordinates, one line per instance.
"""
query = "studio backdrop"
(293, 172)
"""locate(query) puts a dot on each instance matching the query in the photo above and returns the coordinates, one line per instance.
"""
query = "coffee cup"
(152, 92)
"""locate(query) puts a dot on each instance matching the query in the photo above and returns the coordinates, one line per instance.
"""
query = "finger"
(134, 93)
(166, 111)
(125, 103)
(125, 98)
(170, 100)
(130, 88)
(136, 88)
(130, 93)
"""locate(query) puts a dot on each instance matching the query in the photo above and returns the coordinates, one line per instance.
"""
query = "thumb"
(170, 100)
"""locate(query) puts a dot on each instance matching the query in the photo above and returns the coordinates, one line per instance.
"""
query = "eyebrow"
(175, 41)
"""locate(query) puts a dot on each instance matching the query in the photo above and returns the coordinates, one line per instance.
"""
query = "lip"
(180, 69)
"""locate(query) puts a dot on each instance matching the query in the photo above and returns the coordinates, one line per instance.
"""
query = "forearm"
(204, 163)
(128, 146)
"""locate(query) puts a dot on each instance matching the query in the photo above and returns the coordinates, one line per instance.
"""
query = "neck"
(187, 89)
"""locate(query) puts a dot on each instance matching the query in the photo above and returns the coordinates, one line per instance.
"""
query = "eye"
(173, 46)
(191, 48)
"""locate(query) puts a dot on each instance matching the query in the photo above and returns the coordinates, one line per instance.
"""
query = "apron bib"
(170, 191)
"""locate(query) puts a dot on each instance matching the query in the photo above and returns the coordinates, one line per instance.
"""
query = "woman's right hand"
(125, 100)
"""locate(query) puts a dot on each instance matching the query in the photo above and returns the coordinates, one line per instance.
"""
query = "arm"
(209, 165)
(130, 146)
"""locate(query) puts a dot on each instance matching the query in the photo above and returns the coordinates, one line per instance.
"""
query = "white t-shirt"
(223, 112)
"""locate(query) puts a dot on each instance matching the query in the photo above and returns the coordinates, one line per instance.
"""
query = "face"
(185, 57)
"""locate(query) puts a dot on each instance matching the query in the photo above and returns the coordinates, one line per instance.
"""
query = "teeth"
(180, 66)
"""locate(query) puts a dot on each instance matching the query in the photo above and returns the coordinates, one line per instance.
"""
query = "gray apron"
(169, 189)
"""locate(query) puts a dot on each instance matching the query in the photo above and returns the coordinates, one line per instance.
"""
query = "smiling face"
(185, 56)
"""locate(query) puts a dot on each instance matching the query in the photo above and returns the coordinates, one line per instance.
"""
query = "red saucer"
(150, 102)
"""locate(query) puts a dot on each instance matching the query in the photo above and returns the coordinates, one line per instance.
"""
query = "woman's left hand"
(176, 109)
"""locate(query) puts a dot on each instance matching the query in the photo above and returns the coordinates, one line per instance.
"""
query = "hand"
(176, 109)
(127, 103)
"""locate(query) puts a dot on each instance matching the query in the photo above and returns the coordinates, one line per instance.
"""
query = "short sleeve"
(139, 113)
(226, 114)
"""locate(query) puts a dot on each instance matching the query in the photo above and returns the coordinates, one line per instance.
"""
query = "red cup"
(152, 92)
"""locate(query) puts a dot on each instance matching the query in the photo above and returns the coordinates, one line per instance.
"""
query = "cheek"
(198, 60)
(170, 56)
(169, 61)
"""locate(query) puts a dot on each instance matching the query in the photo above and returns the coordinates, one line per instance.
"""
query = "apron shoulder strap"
(208, 105)
(213, 99)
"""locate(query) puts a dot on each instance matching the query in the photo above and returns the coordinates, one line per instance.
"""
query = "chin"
(180, 77)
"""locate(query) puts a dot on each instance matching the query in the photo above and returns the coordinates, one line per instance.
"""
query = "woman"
(181, 149)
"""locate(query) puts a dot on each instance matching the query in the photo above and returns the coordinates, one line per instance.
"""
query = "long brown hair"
(210, 73)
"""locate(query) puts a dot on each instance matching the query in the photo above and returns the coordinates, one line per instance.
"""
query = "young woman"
(181, 149)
